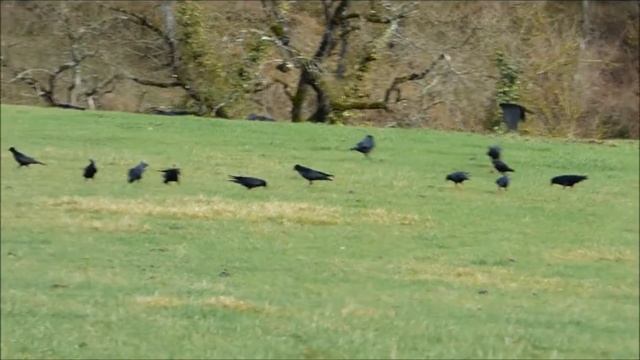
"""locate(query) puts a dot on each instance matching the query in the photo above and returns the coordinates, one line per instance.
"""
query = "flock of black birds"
(365, 146)
(495, 153)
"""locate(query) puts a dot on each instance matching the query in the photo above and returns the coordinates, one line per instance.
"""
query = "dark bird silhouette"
(135, 173)
(69, 106)
(312, 175)
(90, 171)
(513, 114)
(248, 182)
(503, 182)
(365, 145)
(501, 166)
(170, 112)
(567, 180)
(494, 152)
(22, 159)
(458, 177)
(256, 117)
(171, 174)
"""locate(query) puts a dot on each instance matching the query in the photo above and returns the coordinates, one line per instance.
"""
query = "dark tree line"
(400, 63)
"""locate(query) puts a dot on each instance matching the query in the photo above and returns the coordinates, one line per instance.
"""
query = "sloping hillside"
(387, 260)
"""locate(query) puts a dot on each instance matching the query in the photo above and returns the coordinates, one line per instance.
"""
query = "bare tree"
(85, 87)
(313, 75)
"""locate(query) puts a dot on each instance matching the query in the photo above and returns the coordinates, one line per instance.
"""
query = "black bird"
(248, 182)
(365, 145)
(494, 152)
(501, 166)
(135, 173)
(458, 177)
(312, 175)
(503, 182)
(513, 114)
(567, 180)
(171, 174)
(23, 159)
(90, 171)
(256, 117)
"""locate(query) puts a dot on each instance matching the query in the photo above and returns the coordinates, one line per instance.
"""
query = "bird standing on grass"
(503, 182)
(135, 173)
(312, 175)
(22, 159)
(365, 146)
(513, 114)
(248, 182)
(458, 177)
(501, 166)
(567, 180)
(494, 152)
(171, 174)
(90, 171)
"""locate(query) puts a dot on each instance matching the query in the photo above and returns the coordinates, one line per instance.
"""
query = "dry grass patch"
(231, 303)
(158, 301)
(224, 302)
(383, 216)
(218, 208)
(205, 208)
(594, 254)
(125, 223)
(487, 276)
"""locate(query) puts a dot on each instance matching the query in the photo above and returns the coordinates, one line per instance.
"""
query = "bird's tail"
(40, 162)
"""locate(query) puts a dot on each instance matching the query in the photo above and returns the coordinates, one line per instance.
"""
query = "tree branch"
(160, 84)
(146, 23)
(394, 87)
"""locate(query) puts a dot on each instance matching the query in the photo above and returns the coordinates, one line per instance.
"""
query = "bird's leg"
(310, 182)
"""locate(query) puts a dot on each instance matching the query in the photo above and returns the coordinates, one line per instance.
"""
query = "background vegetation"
(442, 65)
(387, 261)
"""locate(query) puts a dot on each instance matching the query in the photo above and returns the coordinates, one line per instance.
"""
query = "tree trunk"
(580, 77)
(168, 13)
(323, 105)
(308, 75)
(300, 96)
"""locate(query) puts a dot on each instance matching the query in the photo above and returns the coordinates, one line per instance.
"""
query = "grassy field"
(387, 261)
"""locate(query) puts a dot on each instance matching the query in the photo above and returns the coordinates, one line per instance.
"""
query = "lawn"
(387, 261)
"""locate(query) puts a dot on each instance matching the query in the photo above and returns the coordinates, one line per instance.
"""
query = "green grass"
(387, 261)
